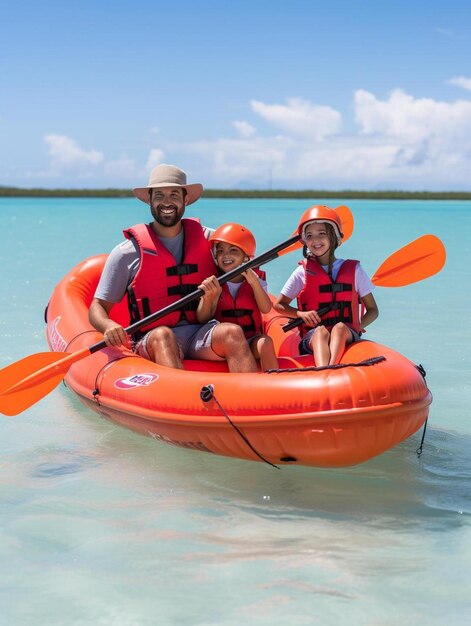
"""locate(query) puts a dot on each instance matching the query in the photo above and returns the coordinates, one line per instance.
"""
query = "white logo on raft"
(56, 341)
(138, 380)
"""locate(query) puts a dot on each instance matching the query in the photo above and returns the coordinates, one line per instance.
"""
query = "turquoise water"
(102, 526)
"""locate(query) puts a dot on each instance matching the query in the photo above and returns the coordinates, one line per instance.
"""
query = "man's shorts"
(194, 341)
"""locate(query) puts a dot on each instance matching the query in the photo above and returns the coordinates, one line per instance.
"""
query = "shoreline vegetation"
(352, 194)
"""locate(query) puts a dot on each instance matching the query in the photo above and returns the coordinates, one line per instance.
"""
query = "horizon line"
(7, 191)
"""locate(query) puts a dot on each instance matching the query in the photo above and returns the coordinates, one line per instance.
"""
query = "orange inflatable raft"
(374, 399)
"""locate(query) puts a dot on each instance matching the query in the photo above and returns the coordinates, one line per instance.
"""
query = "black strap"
(236, 312)
(181, 290)
(239, 313)
(374, 360)
(344, 314)
(335, 288)
(182, 270)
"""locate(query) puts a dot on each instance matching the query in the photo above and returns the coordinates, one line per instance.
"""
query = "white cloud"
(402, 142)
(66, 152)
(121, 168)
(156, 156)
(415, 121)
(461, 81)
(300, 117)
(282, 162)
(236, 159)
(244, 128)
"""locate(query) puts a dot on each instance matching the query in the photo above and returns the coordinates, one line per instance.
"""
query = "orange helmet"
(321, 213)
(236, 235)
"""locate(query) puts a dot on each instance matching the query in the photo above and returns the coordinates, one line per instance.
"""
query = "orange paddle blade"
(420, 259)
(347, 225)
(346, 217)
(26, 381)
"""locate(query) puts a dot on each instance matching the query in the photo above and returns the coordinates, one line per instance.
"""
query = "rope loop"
(207, 394)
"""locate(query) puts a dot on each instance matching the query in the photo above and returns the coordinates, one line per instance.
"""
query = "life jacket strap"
(181, 290)
(335, 288)
(344, 314)
(181, 270)
(238, 313)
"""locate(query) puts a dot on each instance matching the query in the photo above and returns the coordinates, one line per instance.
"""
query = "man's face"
(167, 205)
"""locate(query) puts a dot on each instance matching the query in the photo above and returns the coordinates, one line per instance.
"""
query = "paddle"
(346, 217)
(419, 259)
(26, 381)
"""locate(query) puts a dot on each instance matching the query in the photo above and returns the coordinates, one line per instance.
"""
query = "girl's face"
(317, 241)
(228, 256)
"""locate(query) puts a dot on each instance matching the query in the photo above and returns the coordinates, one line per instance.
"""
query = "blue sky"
(293, 94)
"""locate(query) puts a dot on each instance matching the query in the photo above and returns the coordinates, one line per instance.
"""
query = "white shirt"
(295, 283)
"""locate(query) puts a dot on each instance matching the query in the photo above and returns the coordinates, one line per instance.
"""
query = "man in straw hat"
(158, 264)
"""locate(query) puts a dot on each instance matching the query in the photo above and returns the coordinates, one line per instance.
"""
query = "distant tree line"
(245, 193)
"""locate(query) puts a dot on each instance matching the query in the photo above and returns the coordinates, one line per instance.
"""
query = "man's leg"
(162, 347)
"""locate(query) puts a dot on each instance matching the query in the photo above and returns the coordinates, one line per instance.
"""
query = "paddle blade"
(420, 259)
(26, 381)
(348, 223)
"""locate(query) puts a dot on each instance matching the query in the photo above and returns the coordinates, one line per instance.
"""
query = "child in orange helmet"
(329, 291)
(243, 299)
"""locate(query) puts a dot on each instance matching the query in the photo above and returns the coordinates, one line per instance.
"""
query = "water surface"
(102, 526)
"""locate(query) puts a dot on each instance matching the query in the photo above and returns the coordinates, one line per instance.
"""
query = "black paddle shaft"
(263, 258)
(298, 321)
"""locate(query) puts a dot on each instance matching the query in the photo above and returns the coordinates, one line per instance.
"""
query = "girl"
(243, 299)
(329, 291)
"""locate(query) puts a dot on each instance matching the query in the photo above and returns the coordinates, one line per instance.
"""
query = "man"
(158, 264)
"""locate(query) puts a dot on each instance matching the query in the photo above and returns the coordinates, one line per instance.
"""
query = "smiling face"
(316, 237)
(228, 256)
(167, 205)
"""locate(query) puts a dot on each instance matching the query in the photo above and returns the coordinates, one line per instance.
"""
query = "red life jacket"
(160, 281)
(242, 311)
(341, 296)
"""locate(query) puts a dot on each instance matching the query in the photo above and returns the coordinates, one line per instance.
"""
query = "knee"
(228, 334)
(265, 343)
(231, 331)
(341, 330)
(160, 336)
(321, 334)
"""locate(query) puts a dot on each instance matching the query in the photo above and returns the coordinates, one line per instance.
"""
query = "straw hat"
(169, 176)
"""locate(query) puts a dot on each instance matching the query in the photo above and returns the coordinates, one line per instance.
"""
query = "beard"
(167, 220)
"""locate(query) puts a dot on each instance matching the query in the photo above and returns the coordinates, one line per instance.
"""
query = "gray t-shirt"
(124, 260)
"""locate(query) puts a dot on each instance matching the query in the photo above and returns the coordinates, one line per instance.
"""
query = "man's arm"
(118, 272)
(99, 317)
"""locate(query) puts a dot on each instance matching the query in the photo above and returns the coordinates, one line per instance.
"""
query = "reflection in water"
(397, 485)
